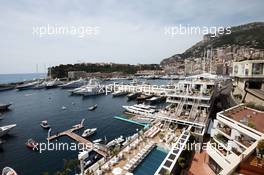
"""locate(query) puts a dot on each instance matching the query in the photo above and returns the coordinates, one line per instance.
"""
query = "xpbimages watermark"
(56, 30)
(61, 146)
(213, 31)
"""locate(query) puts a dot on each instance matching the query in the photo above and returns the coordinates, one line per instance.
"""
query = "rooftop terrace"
(247, 116)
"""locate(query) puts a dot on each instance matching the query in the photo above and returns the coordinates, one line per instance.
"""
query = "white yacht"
(5, 129)
(53, 83)
(74, 84)
(44, 124)
(89, 132)
(97, 141)
(26, 86)
(41, 85)
(91, 89)
(140, 109)
(8, 171)
(116, 141)
(119, 93)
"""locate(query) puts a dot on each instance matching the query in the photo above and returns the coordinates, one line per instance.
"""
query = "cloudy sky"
(129, 31)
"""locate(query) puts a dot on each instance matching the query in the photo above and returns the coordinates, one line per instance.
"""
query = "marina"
(151, 119)
(181, 112)
(24, 111)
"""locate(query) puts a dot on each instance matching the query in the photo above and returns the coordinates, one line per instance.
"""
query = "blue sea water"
(10, 78)
(29, 107)
(151, 163)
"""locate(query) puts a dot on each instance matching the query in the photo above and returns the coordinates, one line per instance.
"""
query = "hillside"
(249, 35)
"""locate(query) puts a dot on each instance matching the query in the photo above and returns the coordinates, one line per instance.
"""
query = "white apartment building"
(237, 131)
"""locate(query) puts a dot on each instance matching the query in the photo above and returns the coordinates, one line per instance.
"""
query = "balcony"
(221, 139)
(225, 129)
(245, 141)
(218, 147)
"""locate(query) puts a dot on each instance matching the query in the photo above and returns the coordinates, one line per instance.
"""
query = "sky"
(129, 31)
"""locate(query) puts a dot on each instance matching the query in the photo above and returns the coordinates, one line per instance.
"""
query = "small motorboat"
(97, 141)
(63, 107)
(8, 171)
(32, 144)
(44, 124)
(92, 107)
(87, 163)
(89, 132)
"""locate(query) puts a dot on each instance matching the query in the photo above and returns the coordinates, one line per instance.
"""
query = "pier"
(70, 133)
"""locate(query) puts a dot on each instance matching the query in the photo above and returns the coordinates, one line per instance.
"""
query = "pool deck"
(131, 121)
(133, 152)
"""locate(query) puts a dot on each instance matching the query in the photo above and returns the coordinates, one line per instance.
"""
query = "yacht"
(26, 86)
(41, 85)
(140, 109)
(119, 93)
(6, 87)
(5, 129)
(133, 96)
(8, 171)
(4, 107)
(53, 83)
(97, 141)
(74, 84)
(93, 107)
(91, 89)
(116, 141)
(155, 99)
(89, 132)
(44, 124)
(32, 144)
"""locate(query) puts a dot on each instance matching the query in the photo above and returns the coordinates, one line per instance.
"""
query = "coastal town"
(147, 103)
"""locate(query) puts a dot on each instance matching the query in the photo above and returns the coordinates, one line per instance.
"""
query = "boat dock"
(131, 121)
(70, 133)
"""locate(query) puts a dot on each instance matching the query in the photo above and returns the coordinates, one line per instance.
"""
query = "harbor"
(132, 87)
(26, 112)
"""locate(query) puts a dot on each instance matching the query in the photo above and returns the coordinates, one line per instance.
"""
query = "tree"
(260, 147)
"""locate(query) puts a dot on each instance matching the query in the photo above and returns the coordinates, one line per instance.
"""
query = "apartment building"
(234, 138)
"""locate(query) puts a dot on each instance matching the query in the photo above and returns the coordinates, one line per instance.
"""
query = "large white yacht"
(74, 84)
(140, 109)
(53, 83)
(26, 86)
(91, 89)
(5, 129)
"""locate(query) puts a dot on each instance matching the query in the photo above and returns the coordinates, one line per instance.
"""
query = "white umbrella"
(117, 171)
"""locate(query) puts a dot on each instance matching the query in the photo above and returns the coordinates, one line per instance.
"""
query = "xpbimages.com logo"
(212, 31)
(60, 30)
(61, 146)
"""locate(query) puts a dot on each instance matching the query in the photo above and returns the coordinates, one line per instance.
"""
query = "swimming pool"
(151, 163)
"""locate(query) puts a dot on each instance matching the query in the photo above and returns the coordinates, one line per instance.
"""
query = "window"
(257, 68)
(214, 166)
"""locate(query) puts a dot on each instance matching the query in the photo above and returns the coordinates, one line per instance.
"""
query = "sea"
(12, 78)
(30, 107)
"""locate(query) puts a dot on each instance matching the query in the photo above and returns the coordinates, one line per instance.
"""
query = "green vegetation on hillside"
(61, 71)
